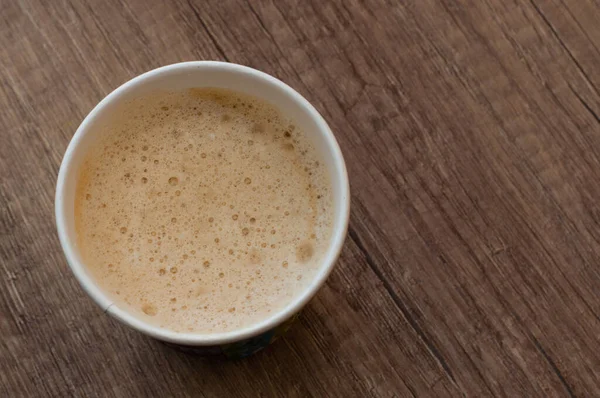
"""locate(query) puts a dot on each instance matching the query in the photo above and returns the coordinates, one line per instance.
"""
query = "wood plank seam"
(585, 104)
(562, 43)
(401, 306)
(210, 34)
(554, 367)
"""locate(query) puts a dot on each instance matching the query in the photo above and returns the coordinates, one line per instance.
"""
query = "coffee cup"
(181, 76)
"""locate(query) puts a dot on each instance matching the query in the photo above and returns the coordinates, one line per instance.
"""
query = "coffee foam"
(202, 211)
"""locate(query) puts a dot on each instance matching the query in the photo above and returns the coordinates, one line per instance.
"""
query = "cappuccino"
(202, 211)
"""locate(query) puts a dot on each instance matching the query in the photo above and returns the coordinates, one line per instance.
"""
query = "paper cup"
(224, 75)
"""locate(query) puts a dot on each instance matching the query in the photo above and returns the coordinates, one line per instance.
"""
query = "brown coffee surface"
(202, 211)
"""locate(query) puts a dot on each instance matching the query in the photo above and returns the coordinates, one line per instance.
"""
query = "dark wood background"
(471, 132)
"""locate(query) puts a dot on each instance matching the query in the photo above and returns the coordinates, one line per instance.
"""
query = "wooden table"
(471, 131)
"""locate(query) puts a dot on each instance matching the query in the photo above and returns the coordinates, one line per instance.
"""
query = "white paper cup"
(206, 74)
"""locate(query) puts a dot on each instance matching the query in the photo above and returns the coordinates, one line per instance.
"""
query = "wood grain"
(471, 131)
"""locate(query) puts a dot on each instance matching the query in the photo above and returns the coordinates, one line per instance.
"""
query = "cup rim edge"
(196, 339)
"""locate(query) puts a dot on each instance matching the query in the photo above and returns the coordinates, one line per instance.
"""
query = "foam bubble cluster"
(203, 210)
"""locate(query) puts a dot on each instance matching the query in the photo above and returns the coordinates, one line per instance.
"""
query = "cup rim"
(196, 339)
